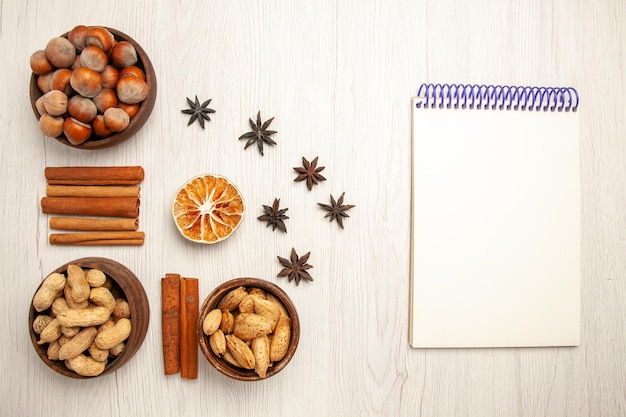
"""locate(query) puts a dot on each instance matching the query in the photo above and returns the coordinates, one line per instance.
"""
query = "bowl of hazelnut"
(92, 87)
(248, 329)
(88, 317)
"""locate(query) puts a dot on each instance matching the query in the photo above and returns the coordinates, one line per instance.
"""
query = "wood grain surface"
(338, 77)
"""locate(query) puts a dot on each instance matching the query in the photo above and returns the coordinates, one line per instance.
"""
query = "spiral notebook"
(495, 226)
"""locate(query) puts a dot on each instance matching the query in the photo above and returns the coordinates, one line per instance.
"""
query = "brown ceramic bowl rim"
(139, 314)
(211, 301)
(136, 123)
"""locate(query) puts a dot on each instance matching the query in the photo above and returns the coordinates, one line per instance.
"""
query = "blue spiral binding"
(497, 97)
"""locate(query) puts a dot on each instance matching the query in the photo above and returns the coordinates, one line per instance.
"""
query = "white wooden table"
(338, 77)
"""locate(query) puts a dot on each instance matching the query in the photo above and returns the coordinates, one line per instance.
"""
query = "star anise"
(274, 217)
(199, 112)
(309, 172)
(296, 267)
(336, 209)
(259, 133)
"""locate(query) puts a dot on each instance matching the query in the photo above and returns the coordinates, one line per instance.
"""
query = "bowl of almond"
(92, 87)
(248, 329)
(88, 317)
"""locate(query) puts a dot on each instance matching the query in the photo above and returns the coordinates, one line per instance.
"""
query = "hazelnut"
(110, 75)
(105, 99)
(60, 80)
(131, 90)
(39, 63)
(123, 54)
(130, 109)
(86, 82)
(99, 128)
(100, 37)
(76, 131)
(55, 102)
(94, 58)
(116, 119)
(41, 109)
(77, 37)
(43, 82)
(76, 63)
(60, 52)
(82, 109)
(134, 71)
(51, 126)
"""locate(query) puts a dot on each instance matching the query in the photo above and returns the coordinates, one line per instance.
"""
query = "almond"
(212, 321)
(261, 352)
(217, 342)
(232, 299)
(249, 326)
(240, 351)
(281, 338)
(268, 310)
(228, 321)
(247, 304)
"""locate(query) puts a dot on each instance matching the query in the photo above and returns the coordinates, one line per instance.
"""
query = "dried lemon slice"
(208, 208)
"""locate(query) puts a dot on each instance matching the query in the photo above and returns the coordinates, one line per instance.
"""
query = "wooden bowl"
(125, 285)
(211, 303)
(94, 142)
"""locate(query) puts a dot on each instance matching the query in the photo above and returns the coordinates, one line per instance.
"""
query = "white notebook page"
(495, 228)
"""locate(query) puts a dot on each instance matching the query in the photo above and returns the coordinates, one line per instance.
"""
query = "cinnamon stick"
(92, 206)
(170, 323)
(97, 238)
(92, 191)
(93, 224)
(189, 311)
(83, 175)
(110, 242)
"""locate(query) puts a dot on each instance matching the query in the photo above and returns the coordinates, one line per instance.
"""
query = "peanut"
(59, 305)
(212, 321)
(100, 355)
(115, 335)
(70, 302)
(122, 309)
(217, 342)
(63, 339)
(106, 325)
(46, 294)
(78, 344)
(249, 326)
(95, 278)
(40, 323)
(85, 365)
(102, 297)
(117, 349)
(53, 350)
(50, 333)
(84, 317)
(232, 299)
(261, 352)
(70, 331)
(76, 281)
(281, 338)
(240, 351)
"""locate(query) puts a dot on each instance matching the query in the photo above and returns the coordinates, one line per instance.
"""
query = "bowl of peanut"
(248, 329)
(88, 317)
